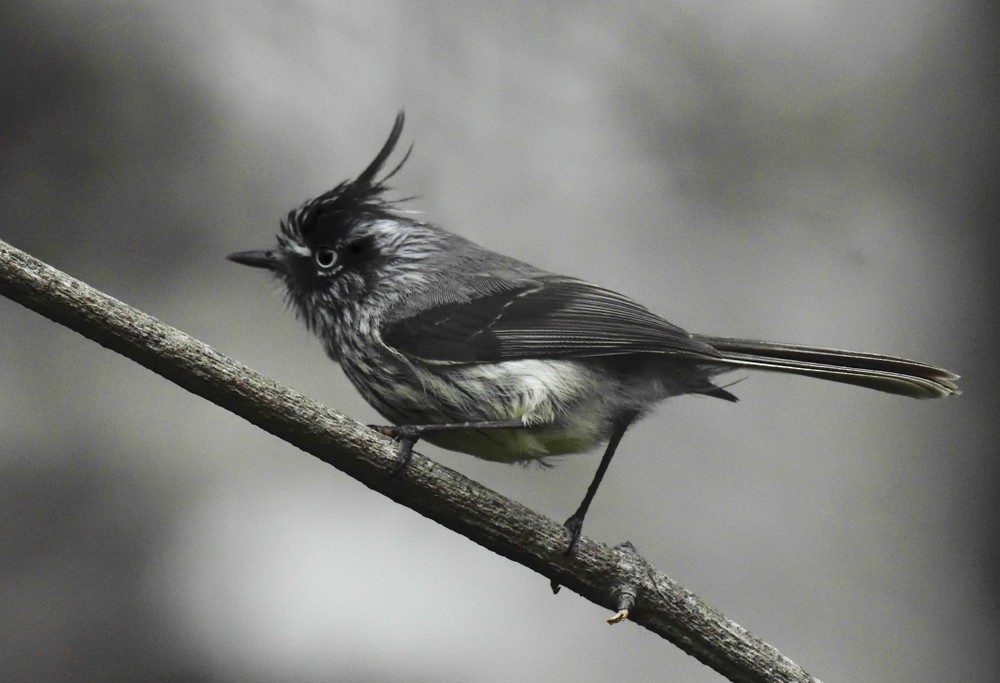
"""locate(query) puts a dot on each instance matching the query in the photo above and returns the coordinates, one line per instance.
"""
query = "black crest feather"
(362, 195)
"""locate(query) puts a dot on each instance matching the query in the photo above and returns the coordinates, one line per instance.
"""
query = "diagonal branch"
(615, 578)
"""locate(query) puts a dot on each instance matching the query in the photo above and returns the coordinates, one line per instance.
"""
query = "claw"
(405, 454)
(574, 526)
(407, 436)
(384, 430)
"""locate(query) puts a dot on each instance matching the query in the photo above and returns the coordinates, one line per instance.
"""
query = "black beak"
(269, 260)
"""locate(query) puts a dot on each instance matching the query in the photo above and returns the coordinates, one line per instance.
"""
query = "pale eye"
(325, 258)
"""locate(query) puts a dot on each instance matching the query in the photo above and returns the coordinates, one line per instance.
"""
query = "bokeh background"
(818, 172)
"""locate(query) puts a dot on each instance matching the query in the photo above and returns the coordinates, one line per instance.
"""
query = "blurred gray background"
(812, 172)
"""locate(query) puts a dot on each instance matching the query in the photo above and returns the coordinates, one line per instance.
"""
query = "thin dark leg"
(575, 523)
(408, 435)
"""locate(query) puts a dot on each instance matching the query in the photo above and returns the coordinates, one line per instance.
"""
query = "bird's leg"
(408, 435)
(575, 522)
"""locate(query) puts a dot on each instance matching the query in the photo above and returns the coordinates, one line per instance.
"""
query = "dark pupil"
(325, 258)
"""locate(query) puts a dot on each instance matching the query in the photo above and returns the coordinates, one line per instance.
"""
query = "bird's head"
(334, 250)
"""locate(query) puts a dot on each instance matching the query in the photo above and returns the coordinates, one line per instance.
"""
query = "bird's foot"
(573, 526)
(407, 436)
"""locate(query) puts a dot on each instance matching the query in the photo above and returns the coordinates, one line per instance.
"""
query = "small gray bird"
(477, 352)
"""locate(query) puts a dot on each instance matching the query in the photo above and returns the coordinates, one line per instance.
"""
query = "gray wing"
(544, 318)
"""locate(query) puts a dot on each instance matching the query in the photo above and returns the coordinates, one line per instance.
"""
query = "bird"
(481, 353)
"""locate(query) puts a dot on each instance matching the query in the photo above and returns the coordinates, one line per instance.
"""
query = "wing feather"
(542, 318)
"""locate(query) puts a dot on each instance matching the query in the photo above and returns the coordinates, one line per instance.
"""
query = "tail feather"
(882, 373)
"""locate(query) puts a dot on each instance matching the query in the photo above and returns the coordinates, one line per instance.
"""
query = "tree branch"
(615, 578)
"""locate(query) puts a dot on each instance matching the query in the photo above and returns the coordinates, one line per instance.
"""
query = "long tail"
(883, 373)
